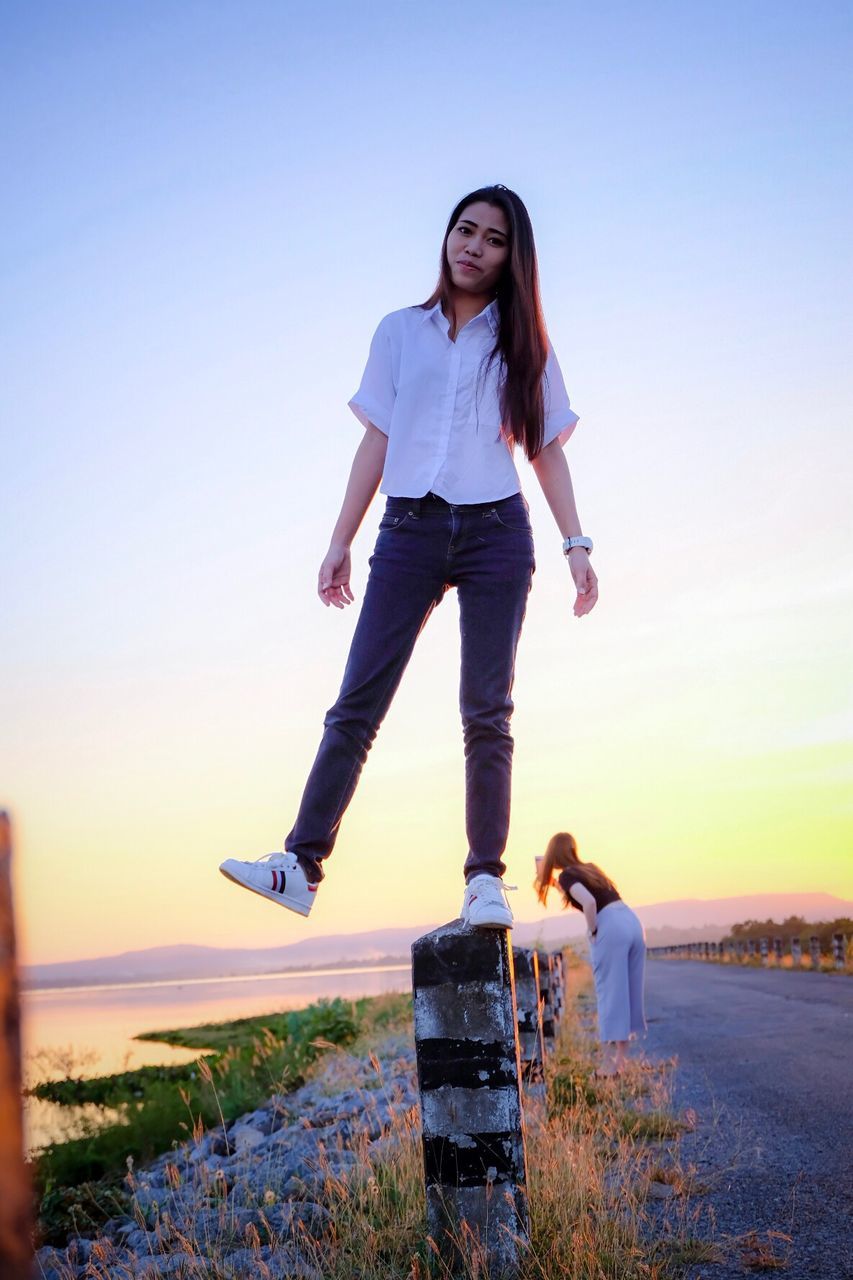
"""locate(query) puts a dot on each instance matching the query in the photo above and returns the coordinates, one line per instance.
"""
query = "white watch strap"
(568, 543)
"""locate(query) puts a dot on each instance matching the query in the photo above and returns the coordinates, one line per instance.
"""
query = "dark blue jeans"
(426, 545)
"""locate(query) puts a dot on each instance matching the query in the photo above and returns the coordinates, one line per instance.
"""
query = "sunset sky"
(208, 208)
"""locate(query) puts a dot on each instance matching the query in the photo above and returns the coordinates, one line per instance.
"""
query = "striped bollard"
(765, 951)
(545, 1000)
(530, 1046)
(814, 950)
(558, 980)
(469, 1078)
(796, 951)
(777, 950)
(838, 949)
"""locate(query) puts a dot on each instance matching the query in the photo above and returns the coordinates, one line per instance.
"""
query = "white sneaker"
(277, 876)
(484, 904)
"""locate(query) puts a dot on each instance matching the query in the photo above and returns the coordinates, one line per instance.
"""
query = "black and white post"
(469, 1077)
(530, 1046)
(558, 985)
(548, 1029)
(838, 949)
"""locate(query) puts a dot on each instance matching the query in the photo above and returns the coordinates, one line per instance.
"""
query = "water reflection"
(89, 1031)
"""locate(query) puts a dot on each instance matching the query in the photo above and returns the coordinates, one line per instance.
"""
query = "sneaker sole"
(489, 924)
(283, 899)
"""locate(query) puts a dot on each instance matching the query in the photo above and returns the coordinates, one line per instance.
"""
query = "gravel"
(764, 1062)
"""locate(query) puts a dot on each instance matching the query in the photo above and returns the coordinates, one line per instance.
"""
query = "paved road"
(765, 1058)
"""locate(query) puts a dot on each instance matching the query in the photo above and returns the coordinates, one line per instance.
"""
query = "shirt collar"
(490, 312)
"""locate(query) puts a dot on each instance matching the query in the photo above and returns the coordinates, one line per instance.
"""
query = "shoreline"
(383, 965)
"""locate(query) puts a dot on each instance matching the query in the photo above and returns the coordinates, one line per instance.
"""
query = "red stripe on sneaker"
(275, 882)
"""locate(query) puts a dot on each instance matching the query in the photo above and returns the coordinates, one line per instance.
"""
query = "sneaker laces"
(276, 854)
(492, 888)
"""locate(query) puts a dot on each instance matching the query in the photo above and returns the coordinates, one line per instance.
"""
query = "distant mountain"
(695, 918)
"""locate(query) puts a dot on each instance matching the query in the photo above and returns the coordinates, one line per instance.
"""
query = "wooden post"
(751, 947)
(469, 1076)
(814, 950)
(15, 1194)
(777, 950)
(765, 951)
(796, 951)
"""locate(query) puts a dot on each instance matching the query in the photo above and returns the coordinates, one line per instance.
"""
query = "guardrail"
(748, 948)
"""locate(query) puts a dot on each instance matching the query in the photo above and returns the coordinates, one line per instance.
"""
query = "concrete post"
(15, 1193)
(558, 981)
(814, 950)
(530, 1046)
(796, 951)
(469, 1078)
(838, 949)
(765, 951)
(545, 1000)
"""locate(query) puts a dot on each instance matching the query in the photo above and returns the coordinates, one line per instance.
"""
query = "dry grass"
(596, 1151)
(769, 1251)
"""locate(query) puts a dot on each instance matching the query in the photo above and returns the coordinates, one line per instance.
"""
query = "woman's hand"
(333, 579)
(585, 580)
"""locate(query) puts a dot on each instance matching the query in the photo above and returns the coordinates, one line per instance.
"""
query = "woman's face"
(478, 247)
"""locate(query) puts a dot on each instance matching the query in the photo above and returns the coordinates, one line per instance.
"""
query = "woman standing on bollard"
(451, 386)
(616, 939)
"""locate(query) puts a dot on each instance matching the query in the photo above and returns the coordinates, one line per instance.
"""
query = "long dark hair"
(522, 340)
(562, 853)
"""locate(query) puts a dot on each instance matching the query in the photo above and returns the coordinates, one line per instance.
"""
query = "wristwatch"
(568, 543)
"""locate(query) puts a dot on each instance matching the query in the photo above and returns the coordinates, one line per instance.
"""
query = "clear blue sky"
(207, 209)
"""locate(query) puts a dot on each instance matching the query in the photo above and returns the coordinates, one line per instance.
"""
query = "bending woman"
(616, 939)
(450, 388)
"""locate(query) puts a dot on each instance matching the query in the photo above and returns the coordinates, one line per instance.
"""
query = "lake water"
(88, 1031)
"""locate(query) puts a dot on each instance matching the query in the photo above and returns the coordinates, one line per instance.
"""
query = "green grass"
(651, 1126)
(80, 1183)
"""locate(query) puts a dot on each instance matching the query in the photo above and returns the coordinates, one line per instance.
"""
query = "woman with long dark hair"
(450, 388)
(616, 938)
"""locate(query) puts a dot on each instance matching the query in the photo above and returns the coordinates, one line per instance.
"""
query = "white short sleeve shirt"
(438, 403)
